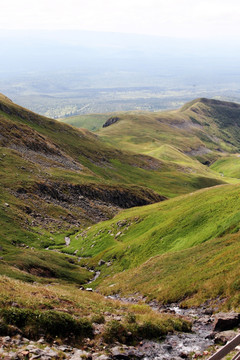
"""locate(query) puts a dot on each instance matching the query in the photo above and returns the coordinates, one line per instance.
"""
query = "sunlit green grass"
(178, 236)
(228, 166)
(91, 122)
(199, 124)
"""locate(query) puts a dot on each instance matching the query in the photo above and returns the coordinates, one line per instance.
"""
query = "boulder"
(101, 262)
(226, 321)
(224, 336)
(100, 357)
(67, 240)
(110, 121)
(80, 354)
(125, 353)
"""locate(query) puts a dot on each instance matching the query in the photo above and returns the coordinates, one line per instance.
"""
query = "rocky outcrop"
(34, 146)
(79, 202)
(110, 121)
(123, 197)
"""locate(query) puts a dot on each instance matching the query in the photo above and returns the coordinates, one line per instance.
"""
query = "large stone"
(65, 348)
(224, 336)
(100, 357)
(226, 321)
(80, 354)
(125, 353)
(101, 262)
(67, 240)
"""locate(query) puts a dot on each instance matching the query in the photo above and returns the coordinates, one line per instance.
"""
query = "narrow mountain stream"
(179, 345)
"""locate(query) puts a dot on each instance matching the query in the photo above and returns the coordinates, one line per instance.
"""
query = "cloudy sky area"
(174, 18)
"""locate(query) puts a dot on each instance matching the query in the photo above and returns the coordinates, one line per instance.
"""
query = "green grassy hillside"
(190, 244)
(228, 166)
(80, 156)
(57, 182)
(54, 180)
(92, 122)
(201, 129)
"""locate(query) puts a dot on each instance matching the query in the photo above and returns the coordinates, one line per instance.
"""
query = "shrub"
(98, 319)
(3, 329)
(178, 324)
(60, 324)
(148, 330)
(50, 322)
(115, 331)
(17, 317)
(131, 318)
(131, 331)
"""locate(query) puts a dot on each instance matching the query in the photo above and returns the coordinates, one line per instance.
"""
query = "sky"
(171, 18)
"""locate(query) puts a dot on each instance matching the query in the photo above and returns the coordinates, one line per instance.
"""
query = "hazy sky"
(177, 18)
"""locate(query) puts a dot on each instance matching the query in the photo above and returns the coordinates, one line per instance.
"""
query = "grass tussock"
(65, 311)
(132, 330)
(49, 323)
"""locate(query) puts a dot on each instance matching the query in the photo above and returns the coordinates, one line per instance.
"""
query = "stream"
(175, 346)
(179, 345)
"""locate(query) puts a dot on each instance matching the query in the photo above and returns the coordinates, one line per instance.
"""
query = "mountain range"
(148, 203)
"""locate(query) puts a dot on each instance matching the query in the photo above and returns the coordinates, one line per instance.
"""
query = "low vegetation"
(64, 311)
(91, 122)
(49, 323)
(202, 129)
(63, 221)
(228, 166)
(181, 250)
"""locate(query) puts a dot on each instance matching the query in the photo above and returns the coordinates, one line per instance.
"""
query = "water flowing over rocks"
(182, 345)
(175, 346)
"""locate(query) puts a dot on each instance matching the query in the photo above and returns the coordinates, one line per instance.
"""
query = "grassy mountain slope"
(202, 129)
(82, 157)
(92, 122)
(190, 244)
(56, 179)
(47, 192)
(228, 166)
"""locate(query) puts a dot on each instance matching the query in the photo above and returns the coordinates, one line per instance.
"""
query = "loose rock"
(67, 240)
(101, 262)
(226, 321)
